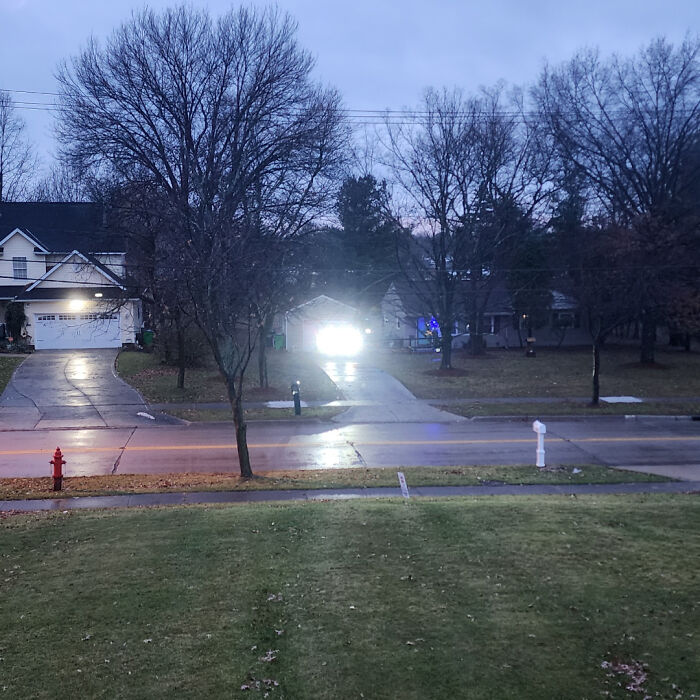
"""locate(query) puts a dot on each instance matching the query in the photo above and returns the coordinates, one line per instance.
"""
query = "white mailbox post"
(540, 429)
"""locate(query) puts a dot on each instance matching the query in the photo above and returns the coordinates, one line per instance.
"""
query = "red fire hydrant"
(58, 463)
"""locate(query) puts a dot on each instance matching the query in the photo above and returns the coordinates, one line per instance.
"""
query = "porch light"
(76, 304)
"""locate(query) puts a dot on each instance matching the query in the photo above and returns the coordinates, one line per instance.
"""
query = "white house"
(66, 268)
(303, 323)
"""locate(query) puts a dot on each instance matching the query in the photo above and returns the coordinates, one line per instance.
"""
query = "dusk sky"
(378, 54)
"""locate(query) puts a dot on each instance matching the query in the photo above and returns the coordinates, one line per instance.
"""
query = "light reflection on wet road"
(210, 448)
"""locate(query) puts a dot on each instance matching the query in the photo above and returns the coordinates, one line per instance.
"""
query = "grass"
(524, 598)
(574, 408)
(157, 381)
(223, 414)
(7, 366)
(555, 373)
(561, 373)
(316, 479)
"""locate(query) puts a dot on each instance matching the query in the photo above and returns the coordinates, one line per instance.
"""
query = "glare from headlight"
(339, 340)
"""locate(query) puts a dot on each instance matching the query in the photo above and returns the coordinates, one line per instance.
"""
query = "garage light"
(76, 304)
(339, 340)
(98, 295)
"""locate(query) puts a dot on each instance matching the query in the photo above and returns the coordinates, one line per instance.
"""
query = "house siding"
(19, 247)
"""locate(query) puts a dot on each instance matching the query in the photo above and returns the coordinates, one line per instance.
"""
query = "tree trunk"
(446, 349)
(595, 398)
(262, 354)
(648, 344)
(262, 366)
(181, 360)
(476, 338)
(476, 343)
(241, 434)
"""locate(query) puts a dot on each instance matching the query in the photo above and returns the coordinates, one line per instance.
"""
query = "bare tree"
(65, 185)
(17, 161)
(223, 119)
(467, 166)
(598, 283)
(629, 127)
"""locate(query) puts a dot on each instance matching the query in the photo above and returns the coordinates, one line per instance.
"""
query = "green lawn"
(479, 598)
(7, 366)
(157, 381)
(553, 373)
(41, 487)
(573, 408)
(224, 414)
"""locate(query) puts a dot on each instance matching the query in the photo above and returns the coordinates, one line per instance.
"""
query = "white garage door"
(69, 331)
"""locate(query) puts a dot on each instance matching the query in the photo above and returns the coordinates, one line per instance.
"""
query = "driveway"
(70, 389)
(383, 399)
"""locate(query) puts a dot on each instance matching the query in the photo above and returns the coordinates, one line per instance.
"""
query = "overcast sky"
(378, 53)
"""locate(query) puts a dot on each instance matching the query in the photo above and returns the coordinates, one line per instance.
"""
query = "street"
(659, 444)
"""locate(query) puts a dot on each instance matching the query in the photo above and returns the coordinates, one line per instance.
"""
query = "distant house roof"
(61, 227)
(414, 297)
(318, 300)
(561, 301)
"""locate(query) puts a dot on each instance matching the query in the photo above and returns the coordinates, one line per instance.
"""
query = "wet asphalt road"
(649, 443)
(74, 400)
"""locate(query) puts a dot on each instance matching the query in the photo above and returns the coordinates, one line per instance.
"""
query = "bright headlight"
(339, 340)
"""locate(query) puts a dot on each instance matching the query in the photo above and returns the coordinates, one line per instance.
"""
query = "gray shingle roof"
(61, 227)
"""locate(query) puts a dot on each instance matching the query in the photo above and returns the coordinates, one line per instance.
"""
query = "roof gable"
(88, 260)
(25, 234)
(321, 299)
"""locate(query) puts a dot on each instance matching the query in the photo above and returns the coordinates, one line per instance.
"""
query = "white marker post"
(540, 429)
(403, 485)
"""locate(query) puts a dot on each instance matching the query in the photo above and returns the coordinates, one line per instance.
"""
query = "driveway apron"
(70, 389)
(383, 398)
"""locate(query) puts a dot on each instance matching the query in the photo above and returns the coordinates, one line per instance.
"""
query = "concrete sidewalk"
(205, 497)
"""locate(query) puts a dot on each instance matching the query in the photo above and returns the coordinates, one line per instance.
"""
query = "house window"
(19, 268)
(566, 319)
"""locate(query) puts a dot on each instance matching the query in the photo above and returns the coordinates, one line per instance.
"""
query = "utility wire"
(371, 117)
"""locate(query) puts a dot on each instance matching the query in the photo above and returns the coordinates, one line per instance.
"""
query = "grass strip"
(501, 598)
(572, 408)
(7, 366)
(215, 415)
(108, 485)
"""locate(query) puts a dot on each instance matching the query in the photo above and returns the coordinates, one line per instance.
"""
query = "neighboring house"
(61, 262)
(302, 323)
(408, 322)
